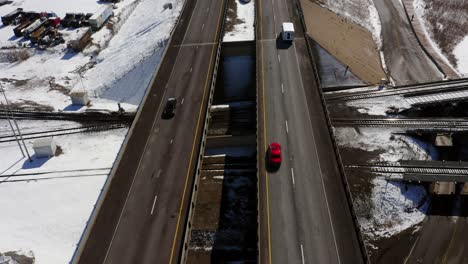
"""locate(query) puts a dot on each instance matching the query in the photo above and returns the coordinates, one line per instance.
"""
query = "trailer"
(19, 29)
(8, 18)
(82, 38)
(34, 26)
(97, 20)
(39, 33)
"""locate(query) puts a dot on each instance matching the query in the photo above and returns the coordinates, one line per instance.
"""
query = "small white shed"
(79, 98)
(44, 147)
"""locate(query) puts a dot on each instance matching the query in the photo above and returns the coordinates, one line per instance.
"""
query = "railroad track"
(412, 171)
(79, 117)
(66, 131)
(431, 88)
(441, 124)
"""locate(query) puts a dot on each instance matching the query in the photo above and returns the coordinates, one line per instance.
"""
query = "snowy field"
(393, 206)
(47, 202)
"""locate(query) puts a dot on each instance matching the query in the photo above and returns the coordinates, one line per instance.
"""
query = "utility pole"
(10, 113)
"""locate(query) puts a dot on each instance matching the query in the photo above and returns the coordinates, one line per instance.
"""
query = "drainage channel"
(223, 225)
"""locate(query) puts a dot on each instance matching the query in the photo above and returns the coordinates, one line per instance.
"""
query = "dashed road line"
(287, 128)
(154, 203)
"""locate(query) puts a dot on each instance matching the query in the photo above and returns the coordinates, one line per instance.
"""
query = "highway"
(304, 215)
(142, 217)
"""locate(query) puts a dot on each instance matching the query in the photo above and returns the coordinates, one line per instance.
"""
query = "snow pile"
(393, 206)
(393, 147)
(361, 12)
(461, 53)
(141, 39)
(396, 206)
(379, 106)
(243, 23)
(49, 211)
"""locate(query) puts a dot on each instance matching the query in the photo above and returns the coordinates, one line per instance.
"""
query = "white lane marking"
(287, 129)
(182, 101)
(203, 26)
(159, 173)
(317, 155)
(292, 176)
(154, 203)
(207, 9)
(411, 251)
(282, 88)
(190, 69)
(279, 59)
(172, 140)
(274, 17)
(302, 254)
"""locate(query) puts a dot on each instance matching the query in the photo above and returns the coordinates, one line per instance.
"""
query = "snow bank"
(45, 214)
(243, 29)
(396, 206)
(379, 106)
(393, 147)
(461, 53)
(141, 40)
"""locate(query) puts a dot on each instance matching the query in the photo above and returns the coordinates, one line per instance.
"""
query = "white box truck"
(287, 31)
(100, 17)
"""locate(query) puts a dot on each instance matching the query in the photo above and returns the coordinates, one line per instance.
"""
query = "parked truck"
(97, 20)
(21, 27)
(34, 26)
(8, 18)
(39, 33)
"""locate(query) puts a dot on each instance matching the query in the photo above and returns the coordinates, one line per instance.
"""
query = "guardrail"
(349, 197)
(193, 198)
(102, 194)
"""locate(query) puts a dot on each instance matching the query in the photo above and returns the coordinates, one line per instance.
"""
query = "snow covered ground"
(242, 22)
(393, 206)
(446, 16)
(107, 66)
(44, 214)
(461, 52)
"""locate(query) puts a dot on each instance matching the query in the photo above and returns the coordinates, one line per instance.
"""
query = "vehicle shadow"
(35, 162)
(270, 168)
(281, 44)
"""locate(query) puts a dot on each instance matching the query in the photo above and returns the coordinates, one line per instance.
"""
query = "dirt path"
(406, 61)
(350, 43)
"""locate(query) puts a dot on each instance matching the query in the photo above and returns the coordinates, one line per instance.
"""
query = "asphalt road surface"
(304, 215)
(404, 57)
(143, 215)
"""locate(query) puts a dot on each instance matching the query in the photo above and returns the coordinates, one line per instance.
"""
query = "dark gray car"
(170, 108)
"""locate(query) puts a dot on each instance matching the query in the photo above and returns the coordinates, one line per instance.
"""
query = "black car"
(169, 109)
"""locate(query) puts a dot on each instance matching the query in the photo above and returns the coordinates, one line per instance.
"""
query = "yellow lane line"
(265, 134)
(194, 140)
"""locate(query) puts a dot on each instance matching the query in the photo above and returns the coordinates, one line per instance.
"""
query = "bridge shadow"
(449, 205)
(235, 240)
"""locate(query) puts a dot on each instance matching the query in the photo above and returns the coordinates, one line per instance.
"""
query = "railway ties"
(407, 91)
(428, 124)
(429, 171)
(70, 116)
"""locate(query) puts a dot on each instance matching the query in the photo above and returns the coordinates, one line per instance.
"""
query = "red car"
(274, 154)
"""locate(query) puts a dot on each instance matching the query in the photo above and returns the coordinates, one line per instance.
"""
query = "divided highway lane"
(143, 216)
(304, 215)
